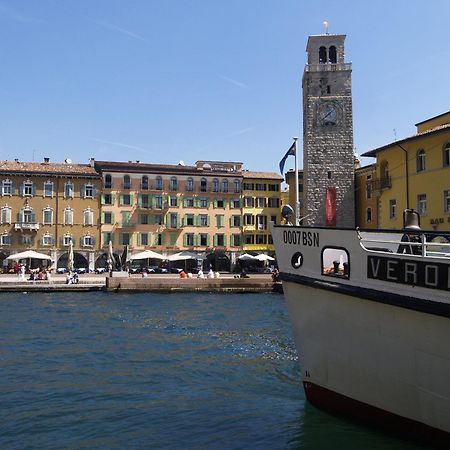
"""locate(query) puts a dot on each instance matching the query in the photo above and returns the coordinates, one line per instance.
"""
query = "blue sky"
(170, 80)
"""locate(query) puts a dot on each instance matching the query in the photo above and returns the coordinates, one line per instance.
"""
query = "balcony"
(328, 67)
(379, 185)
(26, 226)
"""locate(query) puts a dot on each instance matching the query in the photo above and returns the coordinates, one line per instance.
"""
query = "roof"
(432, 118)
(262, 175)
(440, 129)
(178, 169)
(44, 168)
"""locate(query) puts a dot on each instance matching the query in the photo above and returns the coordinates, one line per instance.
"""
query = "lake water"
(141, 371)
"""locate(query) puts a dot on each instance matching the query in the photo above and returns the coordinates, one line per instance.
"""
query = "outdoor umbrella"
(146, 255)
(29, 254)
(247, 257)
(125, 258)
(181, 256)
(263, 257)
(70, 257)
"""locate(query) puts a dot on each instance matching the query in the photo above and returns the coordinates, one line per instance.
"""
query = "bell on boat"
(411, 220)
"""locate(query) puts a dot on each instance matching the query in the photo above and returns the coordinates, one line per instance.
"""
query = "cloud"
(17, 16)
(121, 30)
(120, 144)
(234, 82)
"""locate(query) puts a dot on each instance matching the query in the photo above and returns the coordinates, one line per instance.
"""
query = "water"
(179, 371)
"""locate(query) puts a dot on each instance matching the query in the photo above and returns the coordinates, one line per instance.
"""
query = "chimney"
(46, 160)
(92, 162)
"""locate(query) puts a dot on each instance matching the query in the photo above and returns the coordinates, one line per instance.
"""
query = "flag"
(330, 210)
(290, 152)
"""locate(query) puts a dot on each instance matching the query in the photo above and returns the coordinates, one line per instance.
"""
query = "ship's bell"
(411, 220)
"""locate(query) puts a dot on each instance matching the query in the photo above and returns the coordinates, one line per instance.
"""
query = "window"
(446, 155)
(158, 239)
(158, 201)
(322, 55)
(144, 199)
(107, 199)
(249, 219)
(89, 191)
(261, 239)
(203, 202)
(273, 219)
(47, 218)
(237, 186)
(158, 219)
(261, 222)
(66, 240)
(126, 219)
(189, 220)
(204, 240)
(332, 54)
(203, 185)
(188, 202)
(392, 209)
(28, 215)
(260, 187)
(369, 186)
(7, 187)
(107, 238)
(249, 239)
(260, 202)
(5, 239)
(143, 219)
(273, 202)
(224, 185)
(369, 215)
(68, 216)
(48, 189)
(124, 239)
(173, 220)
(236, 240)
(126, 182)
(420, 160)
(190, 185)
(447, 201)
(88, 217)
(88, 241)
(108, 181)
(28, 188)
(203, 220)
(220, 240)
(159, 183)
(27, 239)
(274, 187)
(422, 204)
(335, 262)
(144, 184)
(173, 201)
(189, 239)
(235, 221)
(173, 184)
(6, 214)
(125, 199)
(220, 220)
(68, 189)
(220, 203)
(108, 217)
(47, 239)
(249, 202)
(215, 185)
(143, 238)
(235, 203)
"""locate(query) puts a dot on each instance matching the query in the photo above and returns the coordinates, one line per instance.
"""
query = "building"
(366, 201)
(415, 173)
(328, 159)
(45, 206)
(261, 204)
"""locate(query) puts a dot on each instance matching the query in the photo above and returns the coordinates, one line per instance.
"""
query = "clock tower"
(328, 158)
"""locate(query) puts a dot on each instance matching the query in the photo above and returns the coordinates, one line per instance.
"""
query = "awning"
(29, 254)
(182, 256)
(146, 255)
(247, 257)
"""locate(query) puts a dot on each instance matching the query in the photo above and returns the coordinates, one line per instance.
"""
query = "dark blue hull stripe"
(402, 301)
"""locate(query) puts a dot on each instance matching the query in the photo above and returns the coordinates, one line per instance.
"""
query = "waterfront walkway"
(136, 283)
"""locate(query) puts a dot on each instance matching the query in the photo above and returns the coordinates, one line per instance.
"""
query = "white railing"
(327, 67)
(26, 226)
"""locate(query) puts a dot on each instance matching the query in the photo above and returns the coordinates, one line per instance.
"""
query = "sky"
(164, 81)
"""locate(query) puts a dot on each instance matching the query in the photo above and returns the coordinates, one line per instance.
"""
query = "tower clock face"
(327, 115)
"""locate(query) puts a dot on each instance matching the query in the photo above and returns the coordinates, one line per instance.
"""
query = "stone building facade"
(328, 157)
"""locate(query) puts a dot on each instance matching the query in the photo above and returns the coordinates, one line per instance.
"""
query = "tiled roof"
(41, 168)
(262, 175)
(435, 130)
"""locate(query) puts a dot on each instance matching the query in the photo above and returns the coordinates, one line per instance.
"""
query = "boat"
(371, 320)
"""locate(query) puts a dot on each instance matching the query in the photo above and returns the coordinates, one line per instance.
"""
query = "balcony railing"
(20, 226)
(379, 184)
(327, 67)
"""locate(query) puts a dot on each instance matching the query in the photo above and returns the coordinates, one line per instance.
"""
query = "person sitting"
(275, 275)
(200, 274)
(69, 278)
(210, 273)
(217, 275)
(75, 278)
(183, 274)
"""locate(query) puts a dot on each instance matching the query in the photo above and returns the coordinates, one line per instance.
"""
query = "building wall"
(366, 200)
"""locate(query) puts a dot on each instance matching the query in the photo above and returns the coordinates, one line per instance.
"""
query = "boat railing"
(420, 247)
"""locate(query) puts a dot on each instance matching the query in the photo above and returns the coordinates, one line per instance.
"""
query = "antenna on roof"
(325, 24)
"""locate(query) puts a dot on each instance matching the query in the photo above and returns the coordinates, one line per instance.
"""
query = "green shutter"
(102, 217)
(224, 240)
(151, 219)
(103, 199)
(131, 199)
(196, 240)
(139, 200)
(215, 240)
(173, 239)
(225, 202)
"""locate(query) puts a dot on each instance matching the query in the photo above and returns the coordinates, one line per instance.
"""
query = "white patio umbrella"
(247, 257)
(70, 257)
(29, 254)
(182, 256)
(146, 255)
(263, 257)
(110, 260)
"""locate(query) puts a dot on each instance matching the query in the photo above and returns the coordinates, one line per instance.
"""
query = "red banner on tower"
(330, 210)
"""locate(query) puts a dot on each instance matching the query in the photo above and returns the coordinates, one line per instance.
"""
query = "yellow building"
(415, 173)
(44, 206)
(366, 201)
(290, 181)
(173, 208)
(261, 195)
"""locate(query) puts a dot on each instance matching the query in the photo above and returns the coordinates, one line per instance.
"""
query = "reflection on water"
(158, 371)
